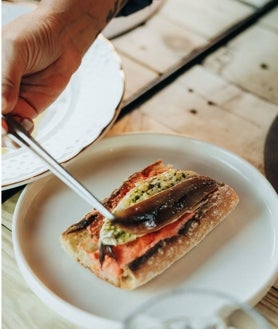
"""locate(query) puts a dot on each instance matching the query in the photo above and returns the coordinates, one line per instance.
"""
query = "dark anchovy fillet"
(83, 223)
(102, 253)
(105, 249)
(136, 263)
(167, 206)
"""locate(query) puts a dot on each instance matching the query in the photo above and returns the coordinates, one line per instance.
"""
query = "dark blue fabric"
(134, 5)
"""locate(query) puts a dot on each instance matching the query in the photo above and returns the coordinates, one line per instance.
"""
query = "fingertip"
(4, 132)
(28, 124)
(8, 98)
(4, 127)
(4, 105)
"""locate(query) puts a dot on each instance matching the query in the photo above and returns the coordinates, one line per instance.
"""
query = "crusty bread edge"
(223, 202)
(70, 242)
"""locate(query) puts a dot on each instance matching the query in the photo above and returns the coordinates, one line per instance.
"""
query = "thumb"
(10, 90)
(11, 79)
(12, 72)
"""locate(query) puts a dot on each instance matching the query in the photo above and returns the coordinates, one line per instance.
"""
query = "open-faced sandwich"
(161, 214)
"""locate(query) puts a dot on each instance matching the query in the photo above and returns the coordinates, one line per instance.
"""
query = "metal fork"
(18, 134)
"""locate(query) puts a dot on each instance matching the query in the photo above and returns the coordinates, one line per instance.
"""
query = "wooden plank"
(250, 61)
(269, 307)
(159, 44)
(206, 18)
(270, 20)
(137, 78)
(21, 308)
(230, 97)
(8, 209)
(195, 106)
(138, 122)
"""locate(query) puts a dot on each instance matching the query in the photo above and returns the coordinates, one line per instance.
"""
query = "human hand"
(37, 64)
(41, 51)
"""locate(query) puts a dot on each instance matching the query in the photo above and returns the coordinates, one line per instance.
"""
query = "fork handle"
(19, 135)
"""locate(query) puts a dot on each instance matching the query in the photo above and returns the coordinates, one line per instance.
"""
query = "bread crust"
(171, 250)
(79, 242)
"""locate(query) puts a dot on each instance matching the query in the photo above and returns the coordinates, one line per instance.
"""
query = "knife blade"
(19, 135)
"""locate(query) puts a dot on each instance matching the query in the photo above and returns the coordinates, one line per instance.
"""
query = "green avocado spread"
(112, 234)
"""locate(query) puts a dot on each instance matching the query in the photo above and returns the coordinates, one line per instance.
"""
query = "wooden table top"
(227, 96)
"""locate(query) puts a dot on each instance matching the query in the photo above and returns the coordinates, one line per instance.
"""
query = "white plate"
(240, 257)
(10, 11)
(83, 112)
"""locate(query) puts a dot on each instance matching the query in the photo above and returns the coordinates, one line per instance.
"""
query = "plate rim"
(102, 132)
(115, 324)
